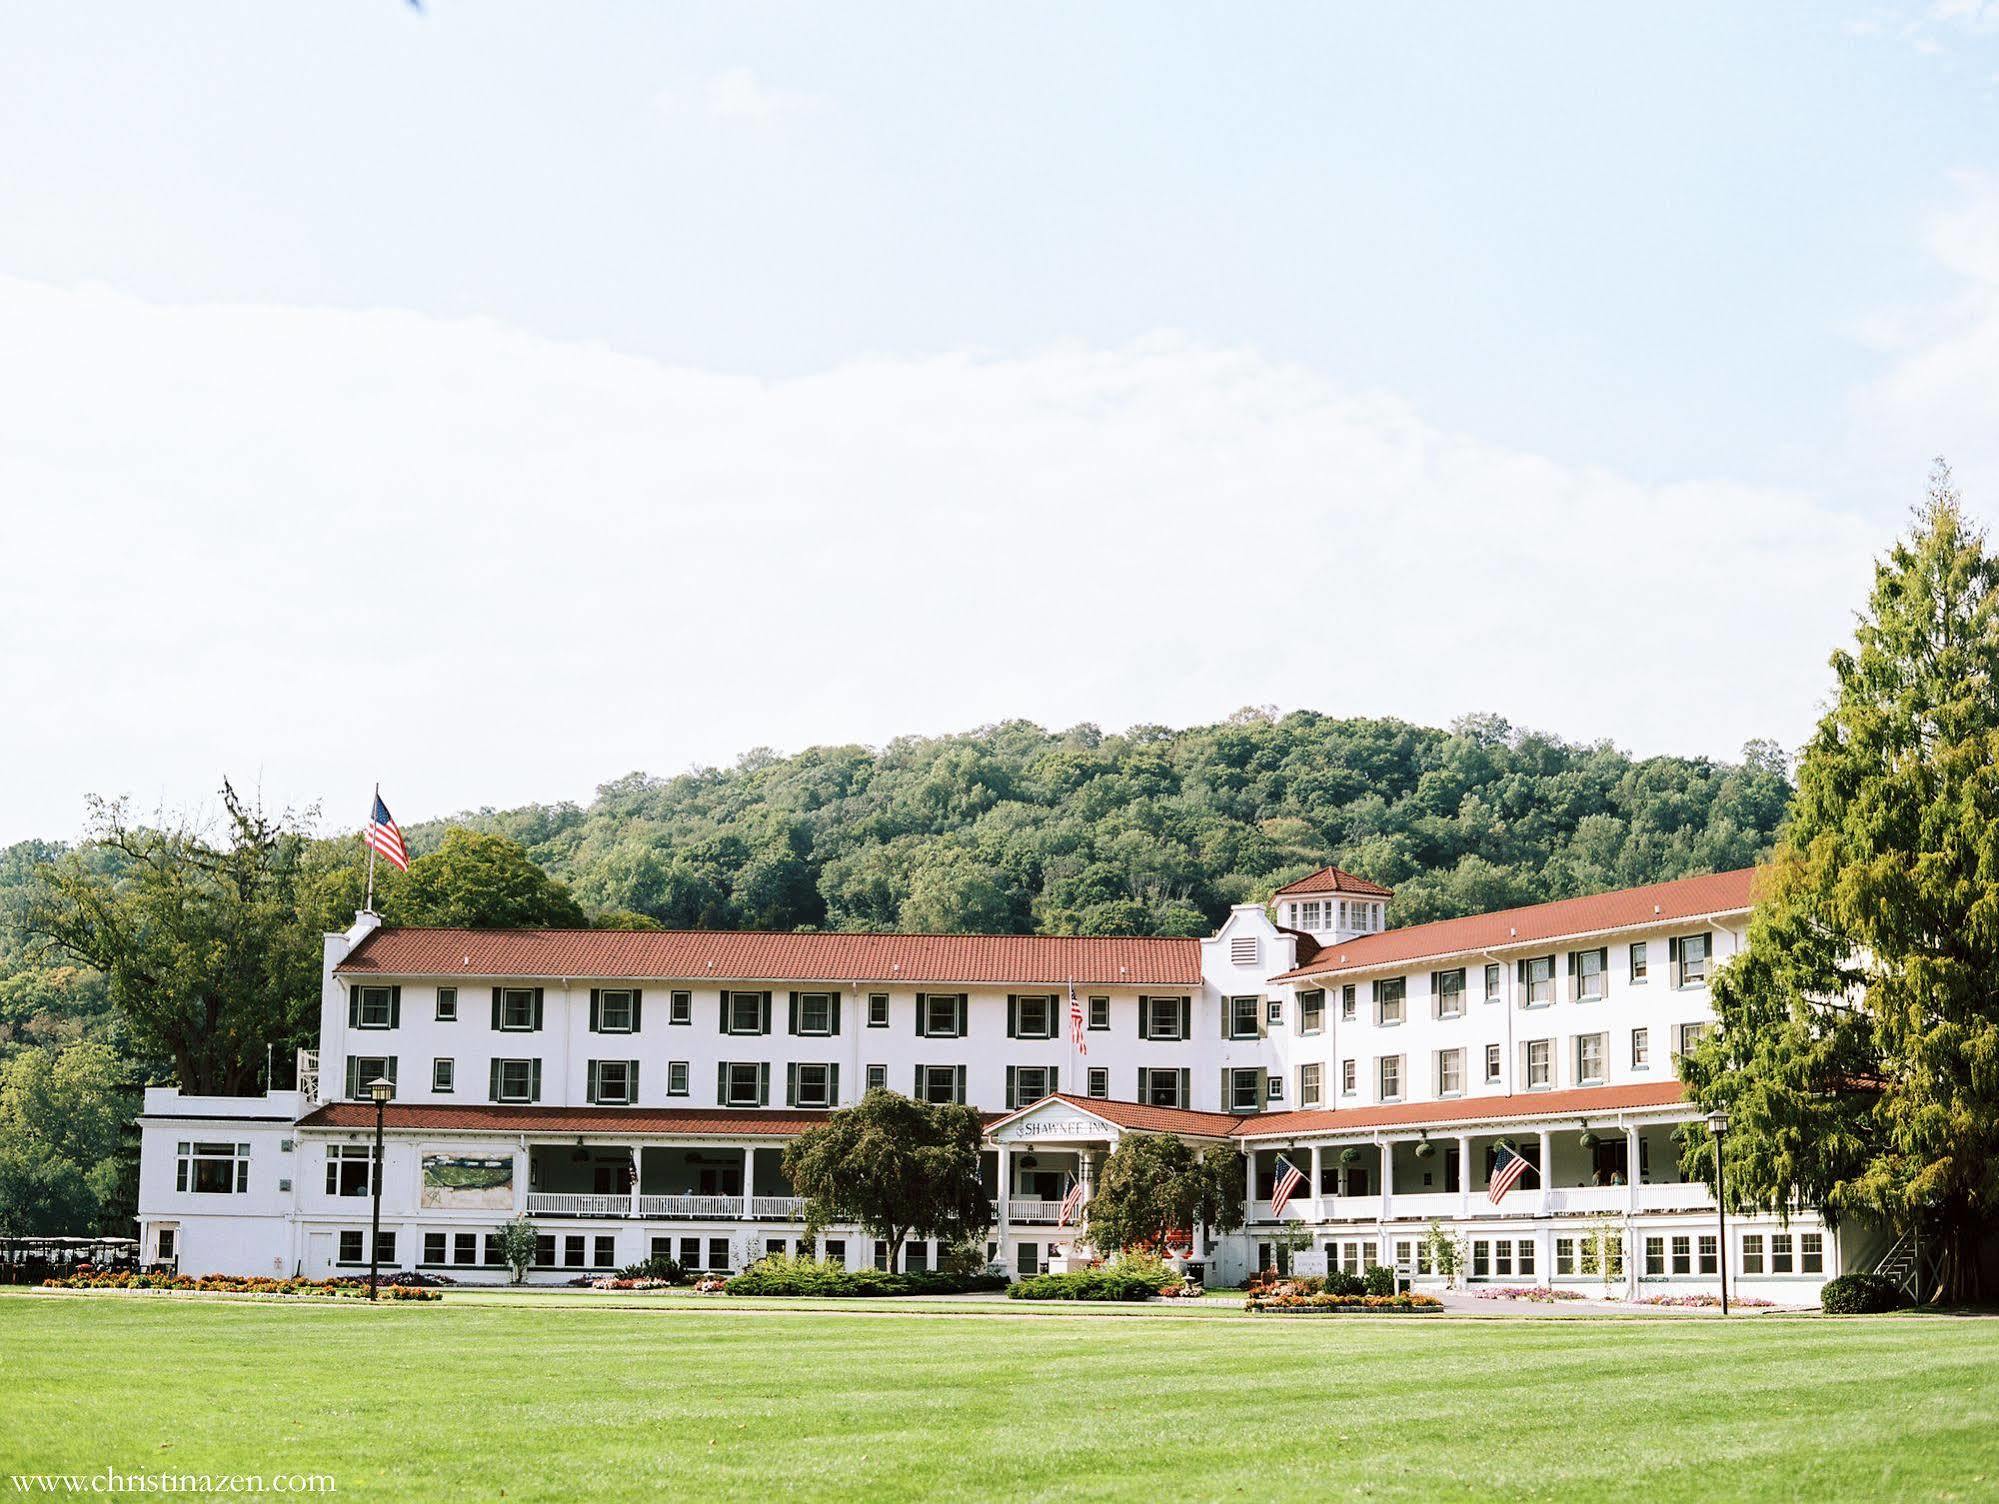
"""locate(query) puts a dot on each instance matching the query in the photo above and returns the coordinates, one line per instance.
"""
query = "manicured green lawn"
(538, 1399)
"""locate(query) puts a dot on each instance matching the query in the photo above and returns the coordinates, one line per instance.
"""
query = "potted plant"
(1350, 1155)
(1425, 1149)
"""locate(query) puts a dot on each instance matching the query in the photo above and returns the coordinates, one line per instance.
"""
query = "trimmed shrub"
(1379, 1280)
(784, 1274)
(1112, 1282)
(1861, 1295)
(667, 1271)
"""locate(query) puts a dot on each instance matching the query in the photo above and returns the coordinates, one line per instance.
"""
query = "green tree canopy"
(1859, 1043)
(1153, 1184)
(895, 1166)
(68, 1153)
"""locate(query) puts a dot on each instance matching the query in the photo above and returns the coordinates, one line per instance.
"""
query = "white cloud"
(738, 94)
(327, 547)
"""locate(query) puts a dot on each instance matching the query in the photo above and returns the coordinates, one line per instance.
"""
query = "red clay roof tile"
(1532, 1104)
(1334, 880)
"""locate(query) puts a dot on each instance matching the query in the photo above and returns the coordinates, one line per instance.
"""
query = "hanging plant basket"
(1590, 1140)
(1426, 1150)
(1507, 1144)
(1350, 1155)
(1678, 1135)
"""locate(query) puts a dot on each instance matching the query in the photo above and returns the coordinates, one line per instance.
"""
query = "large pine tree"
(1859, 1042)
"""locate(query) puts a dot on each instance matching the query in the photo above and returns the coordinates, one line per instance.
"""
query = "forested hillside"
(1154, 831)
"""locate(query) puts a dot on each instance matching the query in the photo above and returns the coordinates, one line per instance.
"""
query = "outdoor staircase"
(1899, 1264)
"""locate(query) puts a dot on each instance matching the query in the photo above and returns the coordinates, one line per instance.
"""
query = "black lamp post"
(1717, 1125)
(381, 1089)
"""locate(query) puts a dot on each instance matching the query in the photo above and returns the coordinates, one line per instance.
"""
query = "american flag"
(385, 836)
(1289, 1179)
(1507, 1168)
(1076, 1023)
(1072, 1204)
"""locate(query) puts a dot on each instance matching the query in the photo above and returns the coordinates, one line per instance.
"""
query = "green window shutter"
(1186, 1086)
(722, 1083)
(1262, 1019)
(537, 1010)
(766, 1015)
(1521, 967)
(918, 1091)
(1012, 1016)
(791, 1080)
(395, 1007)
(763, 1083)
(1141, 1085)
(922, 1016)
(638, 997)
(794, 1013)
(590, 1083)
(960, 1098)
(354, 1010)
(493, 1083)
(1673, 950)
(1012, 1092)
(1054, 1079)
(353, 1078)
(964, 1026)
(833, 1085)
(534, 1080)
(835, 1019)
(596, 1009)
(1603, 961)
(496, 1008)
(1145, 1018)
(391, 1071)
(1228, 1019)
(724, 1016)
(1186, 1018)
(631, 1080)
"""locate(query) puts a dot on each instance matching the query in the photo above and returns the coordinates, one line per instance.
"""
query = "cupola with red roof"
(1332, 905)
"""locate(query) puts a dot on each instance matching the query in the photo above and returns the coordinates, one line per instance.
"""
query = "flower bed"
(1703, 1302)
(1405, 1304)
(239, 1284)
(618, 1282)
(1541, 1294)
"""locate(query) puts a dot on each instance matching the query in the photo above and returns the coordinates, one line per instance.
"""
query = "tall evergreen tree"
(1859, 1043)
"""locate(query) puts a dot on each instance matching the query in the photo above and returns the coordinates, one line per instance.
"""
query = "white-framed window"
(676, 1078)
(1540, 1064)
(815, 1013)
(1164, 1017)
(1492, 982)
(517, 1009)
(347, 1169)
(1099, 1081)
(1305, 914)
(1565, 1258)
(614, 1010)
(447, 1005)
(1811, 1253)
(1592, 1058)
(1493, 1062)
(680, 1008)
(1390, 993)
(1388, 1077)
(354, 1246)
(1274, 1091)
(1310, 1089)
(1641, 1049)
(374, 1007)
(1589, 970)
(1273, 1011)
(1537, 981)
(1245, 1090)
(746, 1013)
(940, 1083)
(616, 1081)
(513, 1080)
(877, 1010)
(814, 1085)
(1781, 1260)
(942, 1012)
(1450, 1073)
(1100, 1013)
(1690, 1036)
(743, 1084)
(1162, 1087)
(1031, 1083)
(1035, 1017)
(1689, 959)
(1637, 970)
(443, 1074)
(1450, 993)
(1349, 1078)
(1312, 1011)
(1683, 1253)
(1655, 1257)
(1349, 1003)
(1710, 1253)
(1752, 1253)
(877, 1076)
(361, 1069)
(1243, 1012)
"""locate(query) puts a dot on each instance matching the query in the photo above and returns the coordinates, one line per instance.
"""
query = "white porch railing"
(1428, 1204)
(1690, 1196)
(788, 1207)
(558, 1204)
(1586, 1198)
(1033, 1211)
(691, 1206)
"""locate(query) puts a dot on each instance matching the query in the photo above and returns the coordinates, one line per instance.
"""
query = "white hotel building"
(632, 1092)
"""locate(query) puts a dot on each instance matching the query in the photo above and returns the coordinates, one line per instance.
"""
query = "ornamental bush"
(1405, 1304)
(1112, 1282)
(1380, 1280)
(658, 1267)
(1861, 1295)
(238, 1284)
(785, 1274)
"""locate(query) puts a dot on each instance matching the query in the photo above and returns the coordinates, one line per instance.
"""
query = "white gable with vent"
(1246, 952)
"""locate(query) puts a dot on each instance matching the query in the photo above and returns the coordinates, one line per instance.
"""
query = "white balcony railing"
(562, 1204)
(1428, 1204)
(1033, 1211)
(1690, 1196)
(787, 1207)
(691, 1206)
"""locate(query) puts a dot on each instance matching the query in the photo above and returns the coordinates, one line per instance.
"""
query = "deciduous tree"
(1153, 1184)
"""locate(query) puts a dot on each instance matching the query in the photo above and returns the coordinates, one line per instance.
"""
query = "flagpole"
(369, 906)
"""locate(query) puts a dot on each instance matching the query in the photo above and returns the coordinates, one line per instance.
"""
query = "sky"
(492, 399)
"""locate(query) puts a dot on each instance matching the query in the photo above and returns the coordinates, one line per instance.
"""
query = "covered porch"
(584, 1178)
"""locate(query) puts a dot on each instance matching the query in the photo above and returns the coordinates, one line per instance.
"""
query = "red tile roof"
(1334, 880)
(446, 1118)
(1586, 1100)
(1140, 1116)
(1626, 908)
(736, 956)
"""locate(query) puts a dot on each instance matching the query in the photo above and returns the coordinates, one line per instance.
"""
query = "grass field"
(532, 1399)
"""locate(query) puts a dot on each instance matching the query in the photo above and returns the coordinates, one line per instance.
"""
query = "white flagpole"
(369, 906)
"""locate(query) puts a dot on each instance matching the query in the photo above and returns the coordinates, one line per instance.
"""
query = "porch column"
(1318, 1186)
(749, 1178)
(524, 1172)
(1005, 1159)
(633, 1210)
(1547, 1165)
(1631, 1156)
(1387, 1175)
(1464, 1174)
